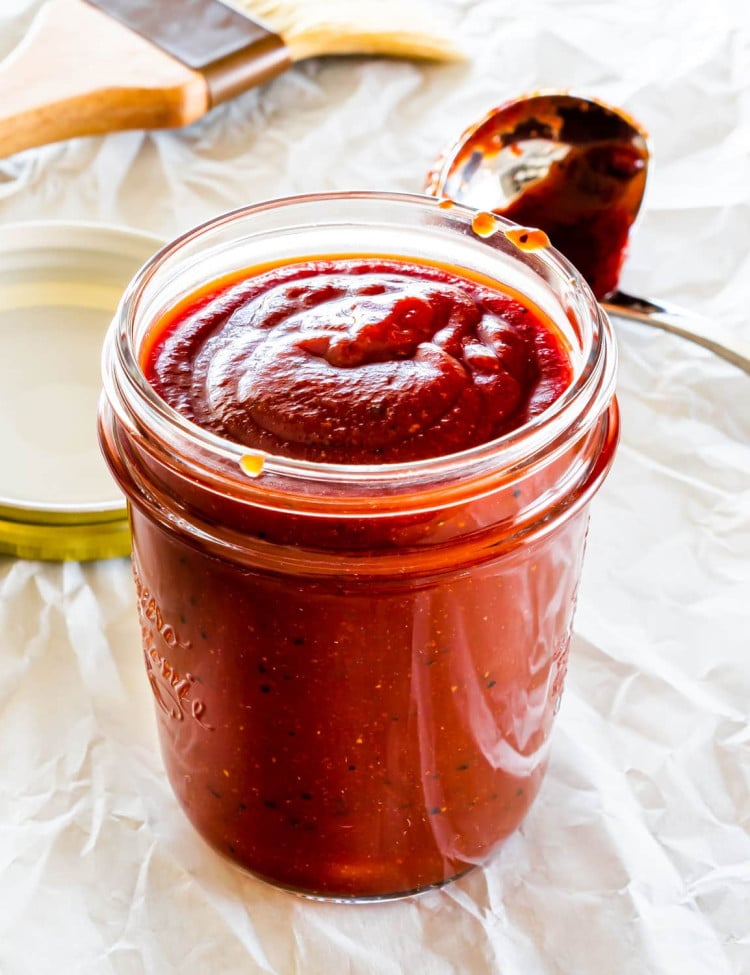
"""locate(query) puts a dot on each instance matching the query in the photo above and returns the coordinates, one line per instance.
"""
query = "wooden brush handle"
(78, 72)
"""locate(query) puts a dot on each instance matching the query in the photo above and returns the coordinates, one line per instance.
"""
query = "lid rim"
(65, 543)
(20, 514)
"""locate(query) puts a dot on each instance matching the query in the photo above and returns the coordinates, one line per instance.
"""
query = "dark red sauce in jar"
(357, 361)
(355, 674)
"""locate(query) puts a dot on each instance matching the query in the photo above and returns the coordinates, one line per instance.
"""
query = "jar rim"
(586, 397)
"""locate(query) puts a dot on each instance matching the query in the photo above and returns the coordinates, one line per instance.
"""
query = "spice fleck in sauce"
(527, 238)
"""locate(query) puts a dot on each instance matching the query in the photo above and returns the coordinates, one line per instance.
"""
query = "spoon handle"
(671, 319)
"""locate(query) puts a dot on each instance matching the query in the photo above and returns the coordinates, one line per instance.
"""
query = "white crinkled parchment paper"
(635, 859)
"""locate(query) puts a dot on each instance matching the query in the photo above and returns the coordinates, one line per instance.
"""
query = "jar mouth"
(139, 407)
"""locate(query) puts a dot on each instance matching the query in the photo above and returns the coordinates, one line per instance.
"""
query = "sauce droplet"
(527, 238)
(484, 224)
(446, 204)
(252, 464)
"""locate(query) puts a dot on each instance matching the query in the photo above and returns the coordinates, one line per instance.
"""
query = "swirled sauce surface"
(357, 360)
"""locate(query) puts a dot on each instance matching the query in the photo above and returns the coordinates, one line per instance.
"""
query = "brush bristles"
(400, 28)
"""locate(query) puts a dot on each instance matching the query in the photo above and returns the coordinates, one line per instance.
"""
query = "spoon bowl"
(575, 168)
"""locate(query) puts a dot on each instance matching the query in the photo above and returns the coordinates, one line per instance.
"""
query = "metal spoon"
(575, 168)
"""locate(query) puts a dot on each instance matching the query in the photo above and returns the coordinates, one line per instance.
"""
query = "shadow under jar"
(356, 666)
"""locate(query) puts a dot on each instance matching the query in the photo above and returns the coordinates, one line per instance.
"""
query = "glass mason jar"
(356, 668)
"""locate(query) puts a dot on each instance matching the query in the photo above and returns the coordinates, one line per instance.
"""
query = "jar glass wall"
(356, 668)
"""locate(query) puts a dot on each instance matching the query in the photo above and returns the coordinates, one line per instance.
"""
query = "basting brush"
(87, 67)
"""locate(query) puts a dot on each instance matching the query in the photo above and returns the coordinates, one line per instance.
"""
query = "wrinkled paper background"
(636, 858)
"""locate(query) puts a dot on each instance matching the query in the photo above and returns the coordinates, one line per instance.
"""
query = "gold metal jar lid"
(60, 284)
